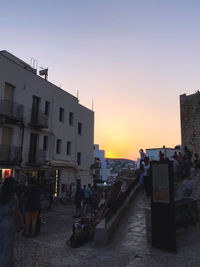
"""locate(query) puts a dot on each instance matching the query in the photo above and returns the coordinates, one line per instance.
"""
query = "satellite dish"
(44, 72)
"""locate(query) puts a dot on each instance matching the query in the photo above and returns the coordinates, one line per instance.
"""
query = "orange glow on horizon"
(124, 128)
(111, 154)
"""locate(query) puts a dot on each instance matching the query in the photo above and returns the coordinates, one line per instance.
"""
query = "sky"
(132, 58)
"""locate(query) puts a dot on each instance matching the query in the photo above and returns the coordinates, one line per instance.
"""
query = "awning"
(12, 167)
(63, 164)
(38, 168)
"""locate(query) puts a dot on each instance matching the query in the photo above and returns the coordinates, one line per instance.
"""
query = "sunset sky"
(133, 58)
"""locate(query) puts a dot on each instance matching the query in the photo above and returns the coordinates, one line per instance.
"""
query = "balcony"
(10, 155)
(38, 119)
(36, 157)
(11, 111)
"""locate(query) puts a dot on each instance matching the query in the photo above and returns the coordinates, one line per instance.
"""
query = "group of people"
(19, 209)
(182, 163)
(181, 166)
(86, 199)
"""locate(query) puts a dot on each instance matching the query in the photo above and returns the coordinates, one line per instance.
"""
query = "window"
(71, 118)
(33, 148)
(7, 136)
(35, 109)
(9, 92)
(45, 143)
(79, 128)
(61, 114)
(79, 158)
(47, 107)
(58, 146)
(69, 145)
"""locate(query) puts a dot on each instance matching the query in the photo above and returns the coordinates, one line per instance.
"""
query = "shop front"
(45, 178)
(5, 173)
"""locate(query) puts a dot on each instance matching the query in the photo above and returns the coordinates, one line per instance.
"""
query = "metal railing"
(39, 119)
(10, 154)
(11, 110)
(36, 157)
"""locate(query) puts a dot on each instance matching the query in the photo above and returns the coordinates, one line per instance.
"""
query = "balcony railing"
(36, 157)
(10, 154)
(38, 119)
(11, 110)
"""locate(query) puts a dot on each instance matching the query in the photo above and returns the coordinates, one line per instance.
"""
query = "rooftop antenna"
(92, 105)
(44, 72)
(77, 94)
(34, 63)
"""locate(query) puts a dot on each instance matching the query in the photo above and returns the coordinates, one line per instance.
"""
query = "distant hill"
(120, 159)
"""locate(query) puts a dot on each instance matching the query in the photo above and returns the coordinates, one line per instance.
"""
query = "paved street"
(128, 246)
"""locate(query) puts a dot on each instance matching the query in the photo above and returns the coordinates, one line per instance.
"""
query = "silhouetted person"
(142, 155)
(161, 156)
(79, 196)
(32, 197)
(8, 212)
(146, 176)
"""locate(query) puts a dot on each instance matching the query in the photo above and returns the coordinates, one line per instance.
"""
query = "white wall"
(101, 155)
(28, 84)
(153, 153)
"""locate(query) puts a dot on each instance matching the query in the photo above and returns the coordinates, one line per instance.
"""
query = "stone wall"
(190, 121)
(104, 231)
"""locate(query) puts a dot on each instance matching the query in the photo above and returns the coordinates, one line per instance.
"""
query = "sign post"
(162, 206)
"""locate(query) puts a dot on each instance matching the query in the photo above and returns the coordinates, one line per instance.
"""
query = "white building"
(44, 132)
(99, 156)
(153, 153)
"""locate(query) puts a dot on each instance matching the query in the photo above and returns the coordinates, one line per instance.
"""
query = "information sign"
(162, 206)
(160, 183)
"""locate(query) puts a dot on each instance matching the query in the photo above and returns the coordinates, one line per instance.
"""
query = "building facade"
(45, 133)
(190, 118)
(100, 169)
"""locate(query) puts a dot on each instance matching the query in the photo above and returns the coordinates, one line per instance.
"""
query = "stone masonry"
(190, 121)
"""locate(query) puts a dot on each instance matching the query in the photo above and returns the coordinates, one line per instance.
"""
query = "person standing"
(196, 161)
(161, 156)
(142, 155)
(180, 158)
(8, 212)
(147, 177)
(175, 168)
(87, 196)
(79, 196)
(33, 197)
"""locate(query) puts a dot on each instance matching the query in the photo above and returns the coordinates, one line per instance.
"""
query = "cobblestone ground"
(128, 246)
